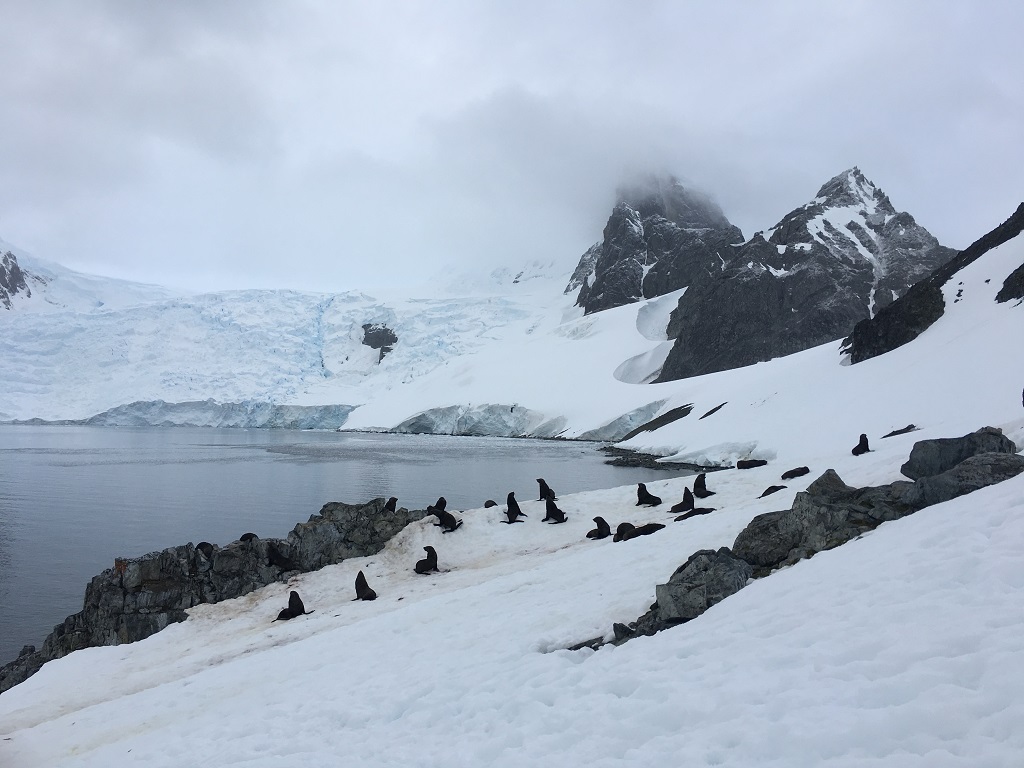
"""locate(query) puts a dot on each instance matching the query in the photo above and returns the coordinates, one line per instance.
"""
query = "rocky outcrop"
(931, 457)
(828, 514)
(379, 336)
(660, 237)
(12, 280)
(914, 312)
(808, 280)
(1013, 286)
(140, 596)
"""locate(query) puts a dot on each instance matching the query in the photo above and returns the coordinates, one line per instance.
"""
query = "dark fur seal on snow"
(602, 531)
(686, 504)
(490, 503)
(770, 490)
(445, 520)
(545, 490)
(627, 531)
(750, 463)
(295, 608)
(440, 504)
(861, 447)
(645, 497)
(513, 512)
(363, 591)
(391, 503)
(700, 488)
(429, 563)
(694, 512)
(789, 474)
(553, 512)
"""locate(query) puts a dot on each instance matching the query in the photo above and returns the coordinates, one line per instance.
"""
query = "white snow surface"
(903, 648)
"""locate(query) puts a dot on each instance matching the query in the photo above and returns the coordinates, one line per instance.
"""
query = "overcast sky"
(332, 145)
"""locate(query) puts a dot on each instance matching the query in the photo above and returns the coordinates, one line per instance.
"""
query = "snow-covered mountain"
(902, 647)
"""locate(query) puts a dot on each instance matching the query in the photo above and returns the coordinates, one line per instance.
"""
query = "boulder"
(969, 475)
(932, 457)
(707, 578)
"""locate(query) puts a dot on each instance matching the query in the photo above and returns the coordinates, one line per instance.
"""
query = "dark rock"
(905, 319)
(750, 463)
(1013, 286)
(808, 282)
(789, 474)
(379, 336)
(706, 578)
(969, 475)
(12, 280)
(716, 409)
(771, 489)
(624, 457)
(931, 457)
(660, 421)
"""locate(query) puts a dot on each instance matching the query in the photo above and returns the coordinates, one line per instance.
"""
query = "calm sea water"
(74, 498)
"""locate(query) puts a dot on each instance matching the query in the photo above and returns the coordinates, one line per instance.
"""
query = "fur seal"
(552, 512)
(694, 512)
(686, 504)
(389, 506)
(602, 531)
(490, 503)
(363, 591)
(278, 558)
(513, 512)
(429, 563)
(248, 537)
(445, 520)
(789, 474)
(440, 504)
(295, 608)
(770, 490)
(750, 463)
(206, 548)
(700, 488)
(627, 531)
(545, 490)
(861, 447)
(645, 497)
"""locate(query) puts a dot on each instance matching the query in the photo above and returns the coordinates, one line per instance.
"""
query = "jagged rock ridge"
(806, 281)
(660, 236)
(12, 280)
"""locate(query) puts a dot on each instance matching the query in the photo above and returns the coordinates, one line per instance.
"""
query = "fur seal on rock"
(513, 512)
(645, 497)
(627, 531)
(789, 474)
(490, 503)
(770, 490)
(750, 463)
(861, 447)
(429, 563)
(700, 488)
(445, 520)
(295, 608)
(248, 537)
(552, 511)
(389, 506)
(545, 490)
(363, 591)
(602, 531)
(206, 548)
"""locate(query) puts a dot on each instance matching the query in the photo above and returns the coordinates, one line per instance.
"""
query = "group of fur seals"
(295, 608)
(545, 490)
(512, 512)
(552, 511)
(861, 447)
(429, 563)
(363, 591)
(602, 531)
(627, 531)
(645, 497)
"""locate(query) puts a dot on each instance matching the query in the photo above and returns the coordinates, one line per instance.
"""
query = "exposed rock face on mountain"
(659, 238)
(379, 336)
(12, 280)
(904, 320)
(808, 280)
(141, 596)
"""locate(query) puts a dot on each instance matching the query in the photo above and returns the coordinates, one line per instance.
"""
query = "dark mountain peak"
(667, 197)
(852, 189)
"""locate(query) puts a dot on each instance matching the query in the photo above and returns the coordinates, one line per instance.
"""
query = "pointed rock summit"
(808, 280)
(660, 236)
(12, 280)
